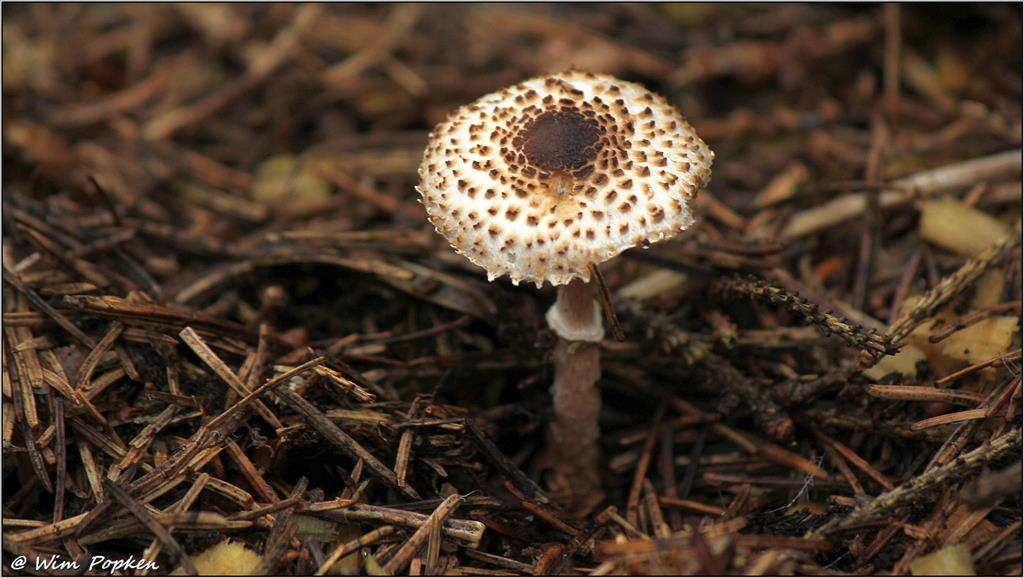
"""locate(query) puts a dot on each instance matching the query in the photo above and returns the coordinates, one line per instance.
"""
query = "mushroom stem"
(576, 318)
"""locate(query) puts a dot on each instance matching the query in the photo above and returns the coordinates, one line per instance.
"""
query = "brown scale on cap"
(541, 179)
(559, 141)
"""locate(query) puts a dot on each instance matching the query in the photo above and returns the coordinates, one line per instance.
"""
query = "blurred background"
(232, 121)
(357, 86)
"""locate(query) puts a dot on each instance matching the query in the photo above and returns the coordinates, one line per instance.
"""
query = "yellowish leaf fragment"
(988, 289)
(982, 341)
(373, 567)
(950, 561)
(291, 181)
(953, 225)
(224, 559)
(904, 362)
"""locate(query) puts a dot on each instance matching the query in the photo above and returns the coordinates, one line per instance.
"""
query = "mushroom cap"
(543, 178)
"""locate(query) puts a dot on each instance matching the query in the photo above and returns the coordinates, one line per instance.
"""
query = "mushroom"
(546, 179)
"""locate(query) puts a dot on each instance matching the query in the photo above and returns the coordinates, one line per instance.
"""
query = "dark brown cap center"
(559, 140)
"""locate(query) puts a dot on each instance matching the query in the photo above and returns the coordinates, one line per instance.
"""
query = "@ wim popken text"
(54, 563)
